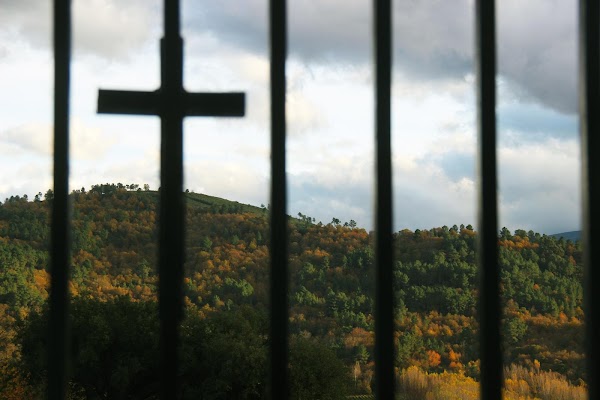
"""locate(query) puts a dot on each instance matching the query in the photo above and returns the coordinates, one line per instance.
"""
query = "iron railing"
(172, 239)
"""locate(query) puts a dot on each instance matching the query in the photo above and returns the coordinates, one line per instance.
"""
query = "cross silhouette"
(171, 103)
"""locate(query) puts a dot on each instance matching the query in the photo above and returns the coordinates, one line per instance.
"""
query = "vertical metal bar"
(589, 111)
(384, 317)
(489, 294)
(279, 228)
(58, 340)
(172, 212)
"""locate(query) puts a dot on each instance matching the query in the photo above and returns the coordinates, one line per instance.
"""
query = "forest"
(224, 335)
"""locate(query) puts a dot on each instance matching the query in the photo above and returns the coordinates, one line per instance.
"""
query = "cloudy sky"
(330, 105)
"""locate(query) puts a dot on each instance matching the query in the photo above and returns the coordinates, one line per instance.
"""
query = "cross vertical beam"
(171, 211)
(59, 247)
(384, 300)
(589, 125)
(489, 293)
(171, 103)
(279, 229)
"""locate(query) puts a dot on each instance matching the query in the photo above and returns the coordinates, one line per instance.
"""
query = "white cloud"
(29, 176)
(87, 143)
(253, 68)
(29, 138)
(551, 163)
(228, 180)
(425, 197)
(302, 115)
(90, 143)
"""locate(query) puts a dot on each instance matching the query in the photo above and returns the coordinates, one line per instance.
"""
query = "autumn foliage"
(114, 255)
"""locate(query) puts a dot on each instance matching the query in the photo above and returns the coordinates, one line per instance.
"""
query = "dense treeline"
(115, 354)
(331, 292)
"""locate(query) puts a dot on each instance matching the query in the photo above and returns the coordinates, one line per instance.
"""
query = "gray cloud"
(433, 39)
(32, 19)
(318, 30)
(538, 169)
(537, 49)
(521, 215)
(456, 165)
(344, 200)
(113, 29)
(518, 123)
(423, 197)
(539, 186)
(108, 29)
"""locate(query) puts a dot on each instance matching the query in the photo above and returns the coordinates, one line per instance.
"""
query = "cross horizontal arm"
(215, 104)
(127, 102)
(193, 104)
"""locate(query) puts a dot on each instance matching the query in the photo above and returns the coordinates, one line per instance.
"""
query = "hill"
(573, 236)
(331, 283)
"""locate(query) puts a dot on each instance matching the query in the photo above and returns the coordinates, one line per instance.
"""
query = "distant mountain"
(572, 236)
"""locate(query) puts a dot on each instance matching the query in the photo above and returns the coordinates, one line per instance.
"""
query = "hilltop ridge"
(573, 236)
